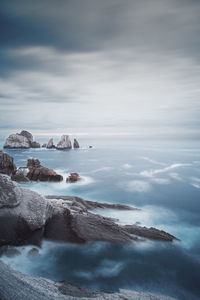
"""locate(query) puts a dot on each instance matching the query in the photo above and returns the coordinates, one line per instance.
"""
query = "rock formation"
(44, 145)
(50, 144)
(76, 144)
(26, 218)
(38, 172)
(73, 177)
(17, 286)
(64, 143)
(23, 140)
(7, 165)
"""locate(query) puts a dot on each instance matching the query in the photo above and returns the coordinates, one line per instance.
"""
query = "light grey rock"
(76, 144)
(50, 144)
(17, 286)
(17, 141)
(64, 143)
(7, 165)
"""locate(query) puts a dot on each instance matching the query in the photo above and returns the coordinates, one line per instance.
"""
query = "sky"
(111, 67)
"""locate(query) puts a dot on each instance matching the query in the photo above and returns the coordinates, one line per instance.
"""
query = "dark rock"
(64, 143)
(7, 165)
(28, 135)
(34, 252)
(73, 177)
(90, 146)
(35, 145)
(9, 251)
(38, 172)
(76, 144)
(44, 145)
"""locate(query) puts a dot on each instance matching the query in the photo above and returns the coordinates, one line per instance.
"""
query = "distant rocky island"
(24, 140)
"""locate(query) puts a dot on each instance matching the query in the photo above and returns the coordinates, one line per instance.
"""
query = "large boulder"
(64, 143)
(50, 144)
(7, 165)
(20, 174)
(22, 140)
(76, 144)
(40, 173)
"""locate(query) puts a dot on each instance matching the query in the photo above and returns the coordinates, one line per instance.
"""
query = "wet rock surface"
(7, 165)
(17, 286)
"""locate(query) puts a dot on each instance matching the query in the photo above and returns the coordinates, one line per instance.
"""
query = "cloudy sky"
(110, 66)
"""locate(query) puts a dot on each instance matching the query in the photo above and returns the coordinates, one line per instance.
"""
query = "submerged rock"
(34, 252)
(7, 165)
(64, 143)
(73, 177)
(38, 172)
(9, 251)
(22, 140)
(50, 144)
(76, 144)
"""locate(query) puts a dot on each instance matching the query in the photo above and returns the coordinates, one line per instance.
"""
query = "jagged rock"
(22, 140)
(90, 147)
(18, 286)
(64, 143)
(50, 144)
(73, 177)
(76, 144)
(7, 165)
(26, 218)
(38, 172)
(44, 145)
(35, 145)
(20, 174)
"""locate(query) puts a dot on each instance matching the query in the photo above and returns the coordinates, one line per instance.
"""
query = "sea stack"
(76, 144)
(22, 140)
(50, 144)
(64, 143)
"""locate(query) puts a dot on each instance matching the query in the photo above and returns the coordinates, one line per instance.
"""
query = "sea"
(161, 178)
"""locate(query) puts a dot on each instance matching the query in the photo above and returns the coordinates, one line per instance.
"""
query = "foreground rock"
(76, 144)
(39, 173)
(20, 175)
(7, 165)
(22, 140)
(64, 143)
(27, 218)
(73, 177)
(17, 286)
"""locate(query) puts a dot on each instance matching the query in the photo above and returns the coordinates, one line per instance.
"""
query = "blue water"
(160, 177)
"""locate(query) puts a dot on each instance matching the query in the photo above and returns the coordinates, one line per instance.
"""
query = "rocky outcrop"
(7, 165)
(44, 145)
(22, 140)
(40, 173)
(50, 144)
(26, 217)
(76, 144)
(17, 286)
(73, 177)
(64, 143)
